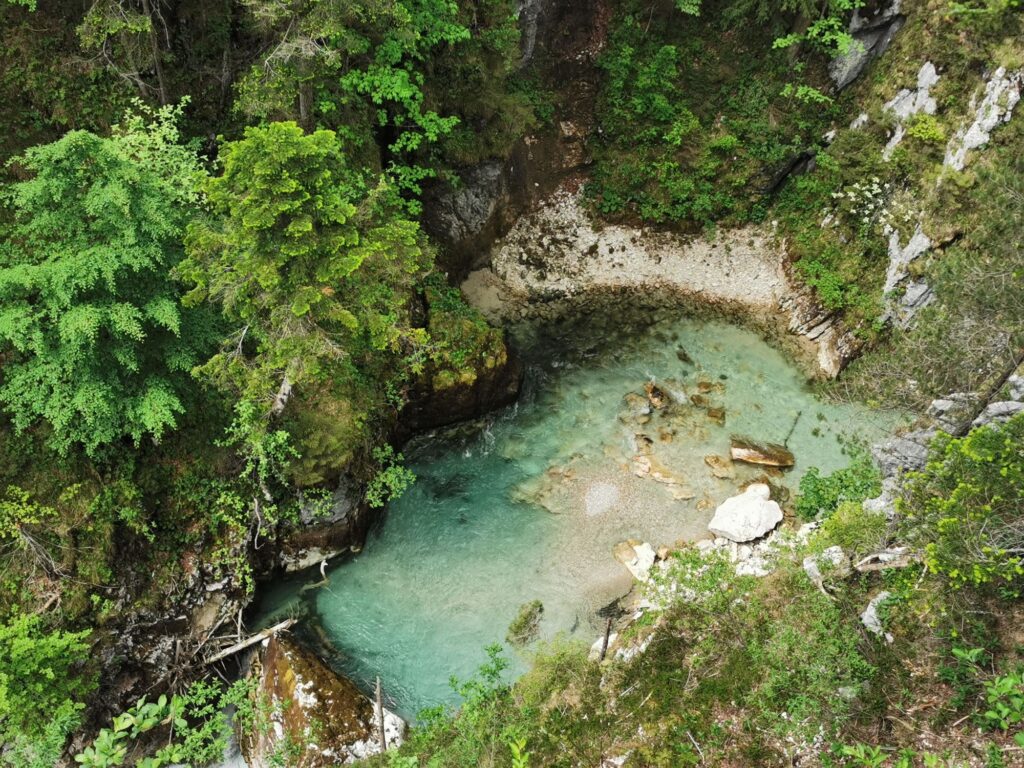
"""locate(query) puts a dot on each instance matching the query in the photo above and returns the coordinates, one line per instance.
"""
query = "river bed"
(528, 503)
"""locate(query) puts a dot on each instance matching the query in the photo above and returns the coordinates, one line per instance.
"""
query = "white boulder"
(638, 557)
(748, 516)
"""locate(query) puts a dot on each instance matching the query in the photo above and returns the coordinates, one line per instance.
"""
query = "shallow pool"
(528, 504)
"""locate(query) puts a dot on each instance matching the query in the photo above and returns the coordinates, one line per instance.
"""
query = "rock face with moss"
(471, 370)
(316, 716)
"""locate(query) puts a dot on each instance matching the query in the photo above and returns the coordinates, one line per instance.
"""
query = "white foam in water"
(531, 506)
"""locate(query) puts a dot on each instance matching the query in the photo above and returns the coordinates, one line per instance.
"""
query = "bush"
(821, 496)
(964, 508)
(39, 675)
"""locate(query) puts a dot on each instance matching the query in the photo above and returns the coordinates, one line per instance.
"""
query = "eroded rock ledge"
(557, 257)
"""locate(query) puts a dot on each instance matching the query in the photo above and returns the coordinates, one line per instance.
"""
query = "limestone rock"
(872, 27)
(317, 709)
(906, 453)
(872, 621)
(952, 410)
(638, 557)
(1016, 386)
(998, 413)
(1002, 94)
(748, 516)
(765, 454)
(910, 102)
(832, 562)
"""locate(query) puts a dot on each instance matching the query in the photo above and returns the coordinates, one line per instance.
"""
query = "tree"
(314, 269)
(97, 345)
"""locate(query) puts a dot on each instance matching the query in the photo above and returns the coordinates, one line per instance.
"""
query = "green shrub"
(821, 495)
(927, 128)
(858, 531)
(524, 626)
(40, 675)
(964, 508)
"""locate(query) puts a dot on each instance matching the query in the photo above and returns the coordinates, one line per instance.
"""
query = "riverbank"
(557, 258)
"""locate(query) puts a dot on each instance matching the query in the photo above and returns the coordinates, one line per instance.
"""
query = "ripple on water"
(530, 504)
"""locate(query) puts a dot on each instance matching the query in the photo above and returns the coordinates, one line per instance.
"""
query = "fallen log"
(765, 454)
(248, 642)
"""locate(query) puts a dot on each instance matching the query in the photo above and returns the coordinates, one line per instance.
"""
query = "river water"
(529, 503)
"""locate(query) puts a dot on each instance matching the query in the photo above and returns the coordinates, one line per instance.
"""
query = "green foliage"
(311, 268)
(691, 132)
(462, 343)
(828, 33)
(40, 676)
(391, 479)
(926, 128)
(17, 509)
(853, 528)
(1004, 699)
(821, 496)
(43, 749)
(99, 347)
(963, 508)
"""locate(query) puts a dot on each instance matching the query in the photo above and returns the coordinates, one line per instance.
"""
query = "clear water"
(529, 503)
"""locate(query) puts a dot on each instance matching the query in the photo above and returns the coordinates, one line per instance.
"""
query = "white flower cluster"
(864, 203)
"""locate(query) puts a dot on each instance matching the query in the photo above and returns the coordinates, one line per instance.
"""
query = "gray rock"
(998, 413)
(748, 516)
(910, 102)
(903, 453)
(900, 257)
(952, 411)
(463, 212)
(872, 34)
(1016, 386)
(756, 565)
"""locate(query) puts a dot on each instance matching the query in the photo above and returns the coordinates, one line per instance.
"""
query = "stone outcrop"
(748, 516)
(637, 556)
(313, 707)
(872, 27)
(910, 102)
(832, 562)
(1002, 94)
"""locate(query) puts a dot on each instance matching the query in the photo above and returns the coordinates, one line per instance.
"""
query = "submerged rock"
(316, 709)
(721, 467)
(748, 516)
(655, 396)
(765, 454)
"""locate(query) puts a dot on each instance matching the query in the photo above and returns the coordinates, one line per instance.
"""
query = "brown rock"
(306, 697)
(655, 396)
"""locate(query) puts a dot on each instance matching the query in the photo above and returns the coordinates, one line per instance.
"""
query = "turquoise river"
(528, 503)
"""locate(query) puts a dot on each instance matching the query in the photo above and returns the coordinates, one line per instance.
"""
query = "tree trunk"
(155, 49)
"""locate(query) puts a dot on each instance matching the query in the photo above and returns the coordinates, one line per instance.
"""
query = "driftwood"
(607, 635)
(766, 454)
(248, 642)
(380, 719)
(896, 557)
